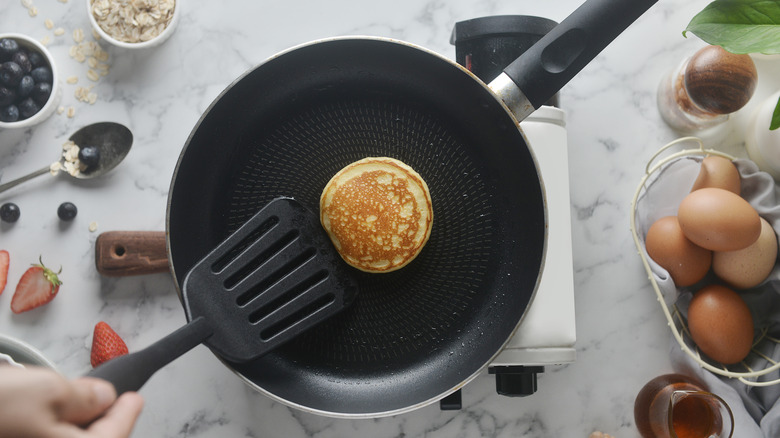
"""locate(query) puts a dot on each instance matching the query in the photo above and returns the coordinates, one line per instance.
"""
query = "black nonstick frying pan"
(286, 127)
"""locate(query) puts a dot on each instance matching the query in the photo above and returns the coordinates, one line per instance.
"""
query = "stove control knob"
(516, 381)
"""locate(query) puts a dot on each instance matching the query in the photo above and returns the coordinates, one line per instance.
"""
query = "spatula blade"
(273, 278)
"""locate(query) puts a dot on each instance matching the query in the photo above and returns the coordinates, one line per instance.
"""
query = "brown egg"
(718, 172)
(721, 324)
(718, 220)
(666, 244)
(748, 267)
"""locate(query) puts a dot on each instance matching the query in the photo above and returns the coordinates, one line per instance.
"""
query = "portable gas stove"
(547, 333)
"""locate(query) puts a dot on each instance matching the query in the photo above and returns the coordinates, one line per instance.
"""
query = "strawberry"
(106, 344)
(38, 286)
(4, 261)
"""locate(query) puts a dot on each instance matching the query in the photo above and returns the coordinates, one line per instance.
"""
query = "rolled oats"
(49, 24)
(33, 11)
(133, 21)
(92, 75)
(78, 35)
(72, 80)
(59, 31)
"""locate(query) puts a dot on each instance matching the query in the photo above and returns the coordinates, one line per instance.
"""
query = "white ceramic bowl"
(23, 353)
(56, 90)
(156, 41)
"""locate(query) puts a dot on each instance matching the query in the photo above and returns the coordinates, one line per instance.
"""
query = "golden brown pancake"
(378, 213)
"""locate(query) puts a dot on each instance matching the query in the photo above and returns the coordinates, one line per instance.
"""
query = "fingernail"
(104, 393)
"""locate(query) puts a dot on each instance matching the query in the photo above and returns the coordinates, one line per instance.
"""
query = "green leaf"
(775, 118)
(739, 26)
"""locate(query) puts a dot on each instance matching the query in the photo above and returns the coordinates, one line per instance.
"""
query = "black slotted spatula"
(273, 278)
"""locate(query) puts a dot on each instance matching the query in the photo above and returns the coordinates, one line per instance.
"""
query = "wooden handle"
(125, 253)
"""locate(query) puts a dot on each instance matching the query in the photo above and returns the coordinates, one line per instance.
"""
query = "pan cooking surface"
(397, 314)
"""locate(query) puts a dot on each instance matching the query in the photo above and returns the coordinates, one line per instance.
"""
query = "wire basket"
(764, 357)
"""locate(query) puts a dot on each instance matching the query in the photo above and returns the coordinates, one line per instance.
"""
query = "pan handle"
(548, 65)
(131, 371)
(124, 253)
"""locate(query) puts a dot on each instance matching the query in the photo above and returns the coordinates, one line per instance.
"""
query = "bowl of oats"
(134, 24)
(29, 82)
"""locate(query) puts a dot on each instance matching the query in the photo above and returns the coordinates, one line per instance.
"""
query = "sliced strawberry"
(38, 286)
(106, 344)
(5, 259)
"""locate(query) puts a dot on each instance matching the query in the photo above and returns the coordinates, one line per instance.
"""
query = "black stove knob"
(516, 381)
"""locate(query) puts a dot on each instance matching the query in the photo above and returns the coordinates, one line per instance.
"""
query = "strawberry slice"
(38, 286)
(106, 344)
(5, 259)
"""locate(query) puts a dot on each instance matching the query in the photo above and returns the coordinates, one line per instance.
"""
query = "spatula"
(273, 278)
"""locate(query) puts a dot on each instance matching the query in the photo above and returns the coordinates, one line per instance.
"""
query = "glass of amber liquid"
(676, 406)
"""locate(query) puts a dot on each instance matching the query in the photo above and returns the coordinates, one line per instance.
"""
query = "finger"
(119, 420)
(84, 400)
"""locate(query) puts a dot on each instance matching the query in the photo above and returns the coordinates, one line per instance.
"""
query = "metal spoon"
(112, 139)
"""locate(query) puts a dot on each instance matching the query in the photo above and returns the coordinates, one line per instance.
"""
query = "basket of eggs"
(705, 225)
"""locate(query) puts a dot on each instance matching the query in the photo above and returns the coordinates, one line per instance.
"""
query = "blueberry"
(7, 49)
(9, 212)
(41, 74)
(41, 93)
(23, 60)
(28, 108)
(25, 87)
(9, 113)
(67, 211)
(11, 74)
(90, 156)
(7, 96)
(36, 59)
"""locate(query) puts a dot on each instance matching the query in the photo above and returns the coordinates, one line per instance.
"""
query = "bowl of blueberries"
(29, 83)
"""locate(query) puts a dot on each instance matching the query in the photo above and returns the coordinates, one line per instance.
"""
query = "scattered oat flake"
(27, 3)
(92, 62)
(93, 226)
(92, 98)
(78, 35)
(63, 1)
(55, 167)
(72, 80)
(71, 112)
(59, 31)
(92, 75)
(33, 11)
(49, 24)
(45, 40)
(60, 110)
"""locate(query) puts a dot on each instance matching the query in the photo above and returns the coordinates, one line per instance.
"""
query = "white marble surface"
(613, 128)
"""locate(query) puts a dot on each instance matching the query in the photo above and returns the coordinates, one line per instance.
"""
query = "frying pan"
(286, 127)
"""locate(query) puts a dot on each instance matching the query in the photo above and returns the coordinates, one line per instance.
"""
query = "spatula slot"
(259, 259)
(243, 244)
(261, 286)
(302, 314)
(289, 295)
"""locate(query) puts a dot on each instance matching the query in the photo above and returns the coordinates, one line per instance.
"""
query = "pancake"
(378, 214)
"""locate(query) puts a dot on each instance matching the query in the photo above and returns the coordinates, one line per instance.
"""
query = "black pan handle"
(131, 371)
(548, 65)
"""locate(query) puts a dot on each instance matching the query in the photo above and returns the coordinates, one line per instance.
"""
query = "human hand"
(40, 403)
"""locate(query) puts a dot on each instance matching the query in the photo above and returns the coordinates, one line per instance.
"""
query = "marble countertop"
(613, 129)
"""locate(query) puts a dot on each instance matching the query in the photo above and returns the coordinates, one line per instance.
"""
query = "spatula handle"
(131, 371)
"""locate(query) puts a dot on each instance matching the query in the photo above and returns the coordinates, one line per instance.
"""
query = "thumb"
(86, 400)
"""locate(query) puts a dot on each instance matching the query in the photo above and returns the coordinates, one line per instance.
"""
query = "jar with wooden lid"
(705, 89)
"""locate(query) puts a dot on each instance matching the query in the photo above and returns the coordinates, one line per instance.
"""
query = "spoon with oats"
(90, 152)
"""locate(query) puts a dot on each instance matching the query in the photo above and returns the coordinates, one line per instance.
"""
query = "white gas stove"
(547, 333)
